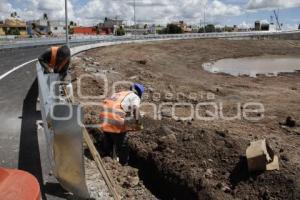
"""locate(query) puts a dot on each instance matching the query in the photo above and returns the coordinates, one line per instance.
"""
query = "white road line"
(16, 68)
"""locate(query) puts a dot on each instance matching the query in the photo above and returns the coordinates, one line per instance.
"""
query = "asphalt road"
(20, 145)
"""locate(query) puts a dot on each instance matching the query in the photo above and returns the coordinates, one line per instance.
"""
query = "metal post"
(67, 23)
(204, 18)
(134, 19)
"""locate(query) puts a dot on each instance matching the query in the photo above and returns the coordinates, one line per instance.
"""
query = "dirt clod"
(143, 62)
(290, 122)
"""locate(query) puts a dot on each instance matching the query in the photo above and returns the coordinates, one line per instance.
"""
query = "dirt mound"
(192, 163)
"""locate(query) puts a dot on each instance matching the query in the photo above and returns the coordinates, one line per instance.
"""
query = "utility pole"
(200, 24)
(134, 19)
(204, 18)
(67, 23)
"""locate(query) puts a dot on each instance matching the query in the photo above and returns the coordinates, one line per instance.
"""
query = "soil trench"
(172, 158)
(160, 185)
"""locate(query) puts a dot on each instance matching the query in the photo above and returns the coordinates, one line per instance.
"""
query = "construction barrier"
(75, 40)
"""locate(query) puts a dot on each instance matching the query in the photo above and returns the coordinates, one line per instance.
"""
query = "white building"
(38, 27)
(272, 27)
(57, 27)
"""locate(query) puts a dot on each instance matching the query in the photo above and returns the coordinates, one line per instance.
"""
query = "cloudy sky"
(229, 12)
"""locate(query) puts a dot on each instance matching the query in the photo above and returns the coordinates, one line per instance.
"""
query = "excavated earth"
(175, 158)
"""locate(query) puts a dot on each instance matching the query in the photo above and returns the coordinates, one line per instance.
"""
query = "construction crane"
(277, 19)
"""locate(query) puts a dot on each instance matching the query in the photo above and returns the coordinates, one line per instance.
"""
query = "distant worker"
(121, 114)
(56, 59)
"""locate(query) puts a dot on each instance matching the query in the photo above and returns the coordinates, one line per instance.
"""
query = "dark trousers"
(117, 145)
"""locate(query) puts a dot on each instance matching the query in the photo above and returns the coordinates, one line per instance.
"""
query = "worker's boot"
(108, 144)
(123, 149)
(114, 152)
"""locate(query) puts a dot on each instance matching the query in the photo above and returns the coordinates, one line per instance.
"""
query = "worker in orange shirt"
(121, 114)
(56, 59)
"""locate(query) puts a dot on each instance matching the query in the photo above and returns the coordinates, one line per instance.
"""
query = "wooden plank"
(100, 165)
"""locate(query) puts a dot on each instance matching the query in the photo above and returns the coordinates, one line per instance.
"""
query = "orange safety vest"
(54, 51)
(53, 60)
(113, 115)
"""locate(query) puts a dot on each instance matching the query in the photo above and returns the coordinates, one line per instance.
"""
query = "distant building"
(57, 27)
(263, 26)
(108, 23)
(38, 27)
(109, 26)
(13, 26)
(228, 28)
(2, 32)
(152, 29)
(141, 29)
(257, 25)
(184, 27)
(272, 27)
(235, 28)
(80, 30)
(195, 28)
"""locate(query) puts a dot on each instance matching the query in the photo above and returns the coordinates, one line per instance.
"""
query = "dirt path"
(196, 159)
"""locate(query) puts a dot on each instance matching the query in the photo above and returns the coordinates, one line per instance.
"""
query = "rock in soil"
(290, 122)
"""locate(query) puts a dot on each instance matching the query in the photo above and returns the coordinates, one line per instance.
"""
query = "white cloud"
(147, 11)
(245, 25)
(34, 9)
(5, 9)
(218, 8)
(157, 11)
(290, 26)
(96, 10)
(265, 4)
(54, 8)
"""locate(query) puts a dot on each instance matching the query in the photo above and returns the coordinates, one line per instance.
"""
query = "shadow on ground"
(29, 152)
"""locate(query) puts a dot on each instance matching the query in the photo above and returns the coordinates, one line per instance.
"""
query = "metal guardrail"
(75, 40)
(63, 134)
(8, 37)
